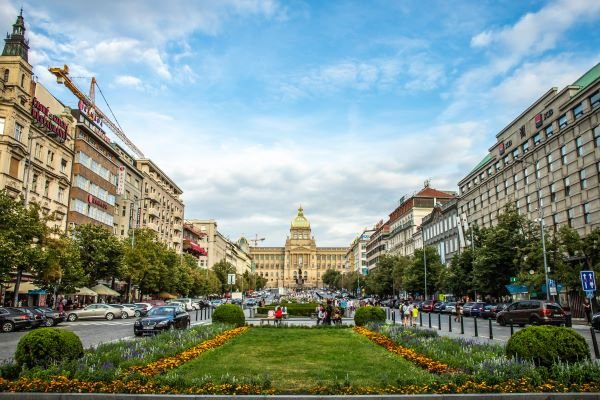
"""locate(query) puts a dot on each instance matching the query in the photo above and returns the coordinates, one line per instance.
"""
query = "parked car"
(428, 306)
(439, 307)
(144, 306)
(189, 304)
(250, 303)
(160, 319)
(532, 312)
(488, 311)
(126, 311)
(37, 317)
(466, 308)
(476, 308)
(450, 307)
(12, 319)
(596, 321)
(216, 303)
(53, 317)
(97, 310)
(138, 310)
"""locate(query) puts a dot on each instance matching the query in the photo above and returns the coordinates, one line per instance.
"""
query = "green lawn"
(295, 360)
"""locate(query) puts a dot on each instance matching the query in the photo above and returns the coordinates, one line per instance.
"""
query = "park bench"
(271, 317)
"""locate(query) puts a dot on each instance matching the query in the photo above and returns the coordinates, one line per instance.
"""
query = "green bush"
(367, 314)
(229, 314)
(546, 345)
(46, 346)
(293, 309)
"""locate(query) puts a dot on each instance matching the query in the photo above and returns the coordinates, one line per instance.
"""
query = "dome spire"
(300, 220)
(15, 43)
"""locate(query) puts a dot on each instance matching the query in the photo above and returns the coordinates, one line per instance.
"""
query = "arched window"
(5, 75)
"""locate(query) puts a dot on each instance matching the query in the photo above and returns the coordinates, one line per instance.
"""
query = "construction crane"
(256, 240)
(62, 77)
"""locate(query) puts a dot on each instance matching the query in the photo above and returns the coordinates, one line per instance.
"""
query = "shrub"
(46, 346)
(229, 314)
(546, 345)
(293, 309)
(367, 314)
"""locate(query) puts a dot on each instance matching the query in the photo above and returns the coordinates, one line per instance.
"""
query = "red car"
(428, 305)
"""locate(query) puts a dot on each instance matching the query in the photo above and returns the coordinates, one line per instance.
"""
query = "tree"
(459, 277)
(332, 279)
(100, 251)
(142, 263)
(414, 275)
(22, 236)
(222, 269)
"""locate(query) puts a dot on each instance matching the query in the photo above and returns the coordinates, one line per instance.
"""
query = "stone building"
(300, 264)
(545, 161)
(440, 229)
(129, 195)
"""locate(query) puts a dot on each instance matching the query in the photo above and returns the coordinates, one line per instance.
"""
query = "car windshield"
(162, 311)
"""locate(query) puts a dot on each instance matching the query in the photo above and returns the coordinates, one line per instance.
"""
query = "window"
(597, 136)
(506, 160)
(46, 188)
(489, 171)
(515, 153)
(549, 131)
(563, 155)
(23, 80)
(529, 203)
(6, 72)
(587, 217)
(549, 161)
(525, 147)
(582, 179)
(497, 166)
(516, 180)
(34, 181)
(14, 167)
(18, 131)
(595, 99)
(562, 121)
(63, 165)
(537, 169)
(567, 184)
(553, 192)
(579, 146)
(506, 185)
(570, 216)
(526, 175)
(61, 194)
(537, 138)
(49, 157)
(554, 222)
(578, 110)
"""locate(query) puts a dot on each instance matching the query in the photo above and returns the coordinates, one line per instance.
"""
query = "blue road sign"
(589, 294)
(551, 283)
(588, 280)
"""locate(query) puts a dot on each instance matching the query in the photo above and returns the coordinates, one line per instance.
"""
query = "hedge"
(364, 315)
(229, 314)
(293, 309)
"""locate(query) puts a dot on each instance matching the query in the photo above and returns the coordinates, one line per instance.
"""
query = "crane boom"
(62, 76)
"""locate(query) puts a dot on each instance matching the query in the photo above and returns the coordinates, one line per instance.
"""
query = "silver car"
(95, 311)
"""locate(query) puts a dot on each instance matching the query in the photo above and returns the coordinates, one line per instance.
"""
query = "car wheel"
(534, 321)
(501, 321)
(124, 315)
(137, 333)
(8, 326)
(110, 316)
(138, 314)
(49, 322)
(171, 327)
(72, 317)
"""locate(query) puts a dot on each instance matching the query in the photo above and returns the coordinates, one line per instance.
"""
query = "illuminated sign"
(121, 180)
(52, 123)
(538, 120)
(97, 202)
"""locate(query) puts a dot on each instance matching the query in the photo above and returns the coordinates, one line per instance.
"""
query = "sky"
(254, 108)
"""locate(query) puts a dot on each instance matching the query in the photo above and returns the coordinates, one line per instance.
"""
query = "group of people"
(409, 313)
(329, 313)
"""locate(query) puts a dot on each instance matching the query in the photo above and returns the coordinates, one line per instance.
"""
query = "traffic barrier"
(429, 320)
(462, 325)
(449, 322)
(491, 333)
(439, 322)
(475, 325)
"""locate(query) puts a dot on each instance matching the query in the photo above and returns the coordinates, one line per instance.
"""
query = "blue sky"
(255, 107)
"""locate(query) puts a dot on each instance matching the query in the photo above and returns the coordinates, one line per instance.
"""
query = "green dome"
(300, 221)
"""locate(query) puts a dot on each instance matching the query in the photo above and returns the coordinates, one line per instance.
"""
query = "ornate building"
(300, 264)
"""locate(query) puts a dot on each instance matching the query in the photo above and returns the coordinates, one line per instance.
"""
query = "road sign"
(231, 279)
(589, 294)
(588, 280)
(552, 287)
(513, 279)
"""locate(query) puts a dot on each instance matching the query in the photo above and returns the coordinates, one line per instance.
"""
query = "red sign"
(538, 120)
(97, 202)
(53, 123)
(501, 148)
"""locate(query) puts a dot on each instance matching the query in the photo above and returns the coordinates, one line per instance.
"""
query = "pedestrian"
(587, 309)
(457, 312)
(407, 313)
(320, 315)
(415, 314)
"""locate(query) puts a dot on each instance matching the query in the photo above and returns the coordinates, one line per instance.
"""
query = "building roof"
(300, 220)
(431, 192)
(588, 77)
(485, 160)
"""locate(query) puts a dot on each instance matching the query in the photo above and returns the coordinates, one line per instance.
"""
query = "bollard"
(421, 318)
(475, 324)
(595, 343)
(439, 322)
(196, 314)
(491, 334)
(450, 323)
(429, 320)
(511, 328)
(393, 317)
(462, 325)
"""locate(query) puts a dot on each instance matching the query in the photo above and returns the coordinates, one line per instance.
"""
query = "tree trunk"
(16, 288)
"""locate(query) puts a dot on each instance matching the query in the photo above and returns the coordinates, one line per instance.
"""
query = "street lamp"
(424, 259)
(540, 219)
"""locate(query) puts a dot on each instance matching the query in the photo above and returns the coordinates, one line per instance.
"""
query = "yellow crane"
(62, 77)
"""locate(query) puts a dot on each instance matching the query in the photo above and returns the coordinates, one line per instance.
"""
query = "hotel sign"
(51, 122)
(96, 201)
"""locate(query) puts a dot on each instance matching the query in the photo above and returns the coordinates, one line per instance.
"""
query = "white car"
(127, 312)
(187, 302)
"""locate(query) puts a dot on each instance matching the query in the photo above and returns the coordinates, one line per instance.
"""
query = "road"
(91, 332)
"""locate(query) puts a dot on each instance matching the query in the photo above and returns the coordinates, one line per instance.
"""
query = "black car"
(160, 319)
(596, 321)
(12, 319)
(53, 317)
(37, 317)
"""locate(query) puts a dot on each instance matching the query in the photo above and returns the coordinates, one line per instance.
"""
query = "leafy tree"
(332, 279)
(458, 279)
(222, 269)
(143, 263)
(101, 252)
(414, 275)
(350, 281)
(22, 236)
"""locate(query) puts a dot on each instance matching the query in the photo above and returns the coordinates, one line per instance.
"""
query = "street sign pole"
(588, 283)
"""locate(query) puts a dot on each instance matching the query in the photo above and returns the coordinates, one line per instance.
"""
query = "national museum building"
(300, 264)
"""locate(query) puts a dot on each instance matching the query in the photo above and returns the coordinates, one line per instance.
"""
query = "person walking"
(415, 314)
(457, 312)
(587, 309)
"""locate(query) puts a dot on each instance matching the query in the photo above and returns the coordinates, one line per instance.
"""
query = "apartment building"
(440, 229)
(129, 199)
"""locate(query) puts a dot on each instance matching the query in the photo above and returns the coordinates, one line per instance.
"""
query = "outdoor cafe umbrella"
(165, 295)
(103, 290)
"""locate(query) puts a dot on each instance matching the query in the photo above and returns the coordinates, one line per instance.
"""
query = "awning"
(84, 291)
(195, 247)
(24, 287)
(103, 290)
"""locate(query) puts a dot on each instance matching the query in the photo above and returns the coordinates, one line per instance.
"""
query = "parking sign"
(588, 280)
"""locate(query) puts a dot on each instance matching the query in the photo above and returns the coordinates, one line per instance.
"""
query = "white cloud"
(481, 40)
(128, 80)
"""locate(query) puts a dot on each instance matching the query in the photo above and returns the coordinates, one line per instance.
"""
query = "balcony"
(177, 226)
(153, 226)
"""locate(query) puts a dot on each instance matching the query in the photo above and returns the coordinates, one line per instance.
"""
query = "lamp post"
(424, 259)
(540, 219)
